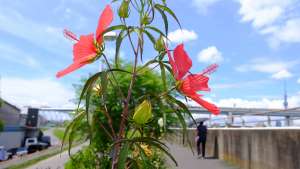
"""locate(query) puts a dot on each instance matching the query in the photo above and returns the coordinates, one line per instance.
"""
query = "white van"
(30, 141)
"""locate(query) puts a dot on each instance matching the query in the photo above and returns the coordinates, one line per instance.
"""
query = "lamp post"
(109, 36)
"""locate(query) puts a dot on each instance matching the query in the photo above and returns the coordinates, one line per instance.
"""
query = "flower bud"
(160, 44)
(146, 19)
(124, 10)
(143, 112)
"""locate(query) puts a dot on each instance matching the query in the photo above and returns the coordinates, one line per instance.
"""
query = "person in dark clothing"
(201, 134)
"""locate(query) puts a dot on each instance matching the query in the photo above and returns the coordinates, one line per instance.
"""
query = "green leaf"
(72, 122)
(146, 95)
(142, 47)
(169, 69)
(92, 129)
(163, 103)
(90, 123)
(181, 119)
(179, 103)
(169, 11)
(113, 145)
(159, 146)
(147, 164)
(149, 36)
(143, 139)
(111, 29)
(137, 31)
(118, 44)
(139, 160)
(163, 76)
(104, 82)
(163, 15)
(157, 30)
(72, 135)
(123, 155)
(114, 1)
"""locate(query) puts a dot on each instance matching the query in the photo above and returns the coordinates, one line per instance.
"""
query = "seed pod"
(160, 44)
(146, 19)
(143, 112)
(124, 10)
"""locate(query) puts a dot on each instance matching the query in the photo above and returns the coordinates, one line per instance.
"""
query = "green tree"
(2, 123)
(149, 83)
(1, 102)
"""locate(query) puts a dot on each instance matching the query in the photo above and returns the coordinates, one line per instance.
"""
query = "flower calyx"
(98, 89)
(143, 112)
(124, 10)
(160, 44)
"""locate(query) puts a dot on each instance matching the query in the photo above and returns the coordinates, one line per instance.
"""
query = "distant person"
(201, 138)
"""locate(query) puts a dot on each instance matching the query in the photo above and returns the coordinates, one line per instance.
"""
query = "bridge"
(232, 111)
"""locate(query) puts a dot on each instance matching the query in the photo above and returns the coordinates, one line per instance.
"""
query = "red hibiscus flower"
(191, 83)
(86, 48)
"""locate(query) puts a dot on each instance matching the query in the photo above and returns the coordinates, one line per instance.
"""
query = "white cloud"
(179, 36)
(203, 5)
(12, 53)
(80, 20)
(251, 84)
(298, 80)
(289, 33)
(266, 65)
(278, 18)
(40, 34)
(264, 103)
(210, 55)
(35, 92)
(262, 13)
(282, 74)
(213, 95)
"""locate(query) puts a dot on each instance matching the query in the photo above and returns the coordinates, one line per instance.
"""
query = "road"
(57, 162)
(54, 140)
(186, 159)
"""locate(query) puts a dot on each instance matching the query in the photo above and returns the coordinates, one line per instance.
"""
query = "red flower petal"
(74, 66)
(199, 82)
(182, 61)
(210, 107)
(188, 89)
(105, 19)
(84, 47)
(172, 63)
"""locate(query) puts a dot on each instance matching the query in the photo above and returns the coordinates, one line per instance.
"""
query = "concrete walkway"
(186, 159)
(57, 162)
(54, 140)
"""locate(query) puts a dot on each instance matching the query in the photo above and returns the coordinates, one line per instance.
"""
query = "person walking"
(201, 138)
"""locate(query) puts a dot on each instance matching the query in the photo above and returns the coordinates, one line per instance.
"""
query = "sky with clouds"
(255, 43)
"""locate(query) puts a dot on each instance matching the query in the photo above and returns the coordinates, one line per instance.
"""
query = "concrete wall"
(254, 148)
(11, 139)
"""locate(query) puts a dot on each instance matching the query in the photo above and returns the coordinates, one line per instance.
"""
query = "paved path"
(57, 162)
(186, 159)
(54, 140)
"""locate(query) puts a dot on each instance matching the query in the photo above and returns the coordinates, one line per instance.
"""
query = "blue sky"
(255, 43)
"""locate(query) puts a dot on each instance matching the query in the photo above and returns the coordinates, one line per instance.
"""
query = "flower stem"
(103, 127)
(126, 107)
(108, 117)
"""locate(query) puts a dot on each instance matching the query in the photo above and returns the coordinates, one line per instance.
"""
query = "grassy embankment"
(60, 134)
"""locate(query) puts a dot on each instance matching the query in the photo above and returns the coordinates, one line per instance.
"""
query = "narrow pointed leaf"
(160, 147)
(70, 125)
(139, 160)
(183, 106)
(149, 36)
(118, 44)
(113, 145)
(157, 30)
(169, 11)
(163, 76)
(147, 164)
(72, 135)
(163, 15)
(90, 123)
(110, 29)
(181, 119)
(142, 139)
(123, 155)
(104, 82)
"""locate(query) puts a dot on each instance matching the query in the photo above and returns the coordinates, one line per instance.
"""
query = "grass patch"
(45, 128)
(34, 161)
(60, 134)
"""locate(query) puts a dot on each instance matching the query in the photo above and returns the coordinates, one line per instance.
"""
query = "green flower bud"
(146, 19)
(124, 10)
(160, 44)
(143, 112)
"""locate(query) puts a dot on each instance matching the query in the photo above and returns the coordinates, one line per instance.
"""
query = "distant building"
(278, 123)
